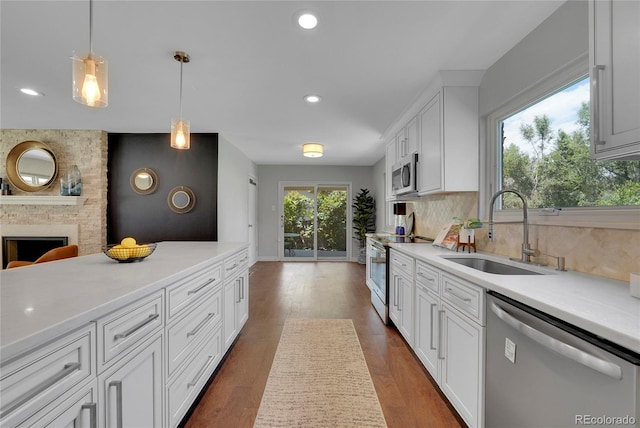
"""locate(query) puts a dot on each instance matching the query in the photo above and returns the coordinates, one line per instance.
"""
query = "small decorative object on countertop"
(72, 186)
(128, 251)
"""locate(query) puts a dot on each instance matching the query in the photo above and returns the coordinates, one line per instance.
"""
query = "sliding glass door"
(314, 220)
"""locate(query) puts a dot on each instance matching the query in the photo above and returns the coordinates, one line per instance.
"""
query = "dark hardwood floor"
(278, 291)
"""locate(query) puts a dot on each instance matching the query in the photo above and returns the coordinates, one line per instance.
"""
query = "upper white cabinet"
(407, 139)
(390, 160)
(449, 141)
(614, 54)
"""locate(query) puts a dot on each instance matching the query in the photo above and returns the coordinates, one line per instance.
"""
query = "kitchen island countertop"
(43, 301)
(599, 305)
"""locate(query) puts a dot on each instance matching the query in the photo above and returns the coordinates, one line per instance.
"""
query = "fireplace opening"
(28, 248)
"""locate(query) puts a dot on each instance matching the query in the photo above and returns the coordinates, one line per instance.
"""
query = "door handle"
(440, 326)
(433, 348)
(118, 385)
(595, 105)
(93, 417)
(602, 366)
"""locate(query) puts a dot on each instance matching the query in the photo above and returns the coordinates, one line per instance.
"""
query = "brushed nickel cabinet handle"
(195, 290)
(440, 326)
(431, 346)
(201, 324)
(118, 386)
(199, 374)
(595, 105)
(136, 327)
(459, 296)
(93, 416)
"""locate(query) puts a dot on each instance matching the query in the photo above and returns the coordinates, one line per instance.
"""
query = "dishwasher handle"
(605, 367)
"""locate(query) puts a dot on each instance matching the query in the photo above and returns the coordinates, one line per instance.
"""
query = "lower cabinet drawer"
(465, 296)
(30, 383)
(75, 409)
(184, 335)
(190, 380)
(128, 327)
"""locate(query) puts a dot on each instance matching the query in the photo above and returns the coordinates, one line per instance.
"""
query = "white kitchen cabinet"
(407, 139)
(462, 364)
(76, 409)
(401, 302)
(614, 54)
(389, 159)
(29, 383)
(448, 141)
(236, 297)
(426, 331)
(131, 391)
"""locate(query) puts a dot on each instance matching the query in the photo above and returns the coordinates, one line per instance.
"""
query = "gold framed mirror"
(31, 166)
(181, 199)
(144, 181)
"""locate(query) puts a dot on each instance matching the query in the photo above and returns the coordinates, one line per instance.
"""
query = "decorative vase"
(74, 181)
(466, 236)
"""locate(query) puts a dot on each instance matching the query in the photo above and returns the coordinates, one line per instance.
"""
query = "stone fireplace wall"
(88, 150)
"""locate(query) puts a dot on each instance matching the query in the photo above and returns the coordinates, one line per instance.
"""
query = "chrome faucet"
(527, 252)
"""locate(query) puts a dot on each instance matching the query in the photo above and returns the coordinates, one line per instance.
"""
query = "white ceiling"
(251, 66)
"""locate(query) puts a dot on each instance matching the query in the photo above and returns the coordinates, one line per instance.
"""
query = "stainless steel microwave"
(403, 175)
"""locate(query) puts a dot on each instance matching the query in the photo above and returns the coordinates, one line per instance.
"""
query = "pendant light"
(180, 135)
(90, 74)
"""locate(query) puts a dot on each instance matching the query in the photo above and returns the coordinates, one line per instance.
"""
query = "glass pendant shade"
(90, 83)
(312, 150)
(180, 134)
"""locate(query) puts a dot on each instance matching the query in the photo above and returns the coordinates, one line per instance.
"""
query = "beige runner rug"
(319, 378)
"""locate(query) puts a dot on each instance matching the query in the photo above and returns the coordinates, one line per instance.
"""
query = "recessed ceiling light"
(312, 99)
(30, 91)
(307, 20)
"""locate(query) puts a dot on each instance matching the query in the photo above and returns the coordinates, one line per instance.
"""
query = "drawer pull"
(440, 335)
(431, 346)
(136, 327)
(195, 290)
(92, 414)
(235, 265)
(33, 392)
(118, 385)
(199, 374)
(428, 278)
(465, 299)
(200, 325)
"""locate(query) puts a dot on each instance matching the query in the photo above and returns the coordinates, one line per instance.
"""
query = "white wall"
(269, 177)
(234, 169)
(379, 188)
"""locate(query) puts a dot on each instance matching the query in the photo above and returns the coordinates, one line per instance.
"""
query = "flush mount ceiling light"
(312, 150)
(32, 92)
(312, 99)
(90, 74)
(180, 134)
(307, 20)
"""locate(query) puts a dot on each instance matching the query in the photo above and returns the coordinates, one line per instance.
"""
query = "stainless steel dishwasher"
(543, 372)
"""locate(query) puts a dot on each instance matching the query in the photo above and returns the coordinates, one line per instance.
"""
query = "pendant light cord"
(90, 27)
(181, 62)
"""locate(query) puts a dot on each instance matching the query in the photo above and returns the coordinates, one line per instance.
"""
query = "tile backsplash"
(610, 253)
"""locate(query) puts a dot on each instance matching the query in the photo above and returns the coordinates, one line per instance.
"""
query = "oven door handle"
(605, 367)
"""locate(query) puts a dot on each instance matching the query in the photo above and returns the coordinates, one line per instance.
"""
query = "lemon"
(128, 242)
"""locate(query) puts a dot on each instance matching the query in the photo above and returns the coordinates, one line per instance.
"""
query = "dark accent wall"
(148, 218)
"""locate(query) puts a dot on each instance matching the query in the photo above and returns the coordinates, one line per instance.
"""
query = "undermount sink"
(491, 266)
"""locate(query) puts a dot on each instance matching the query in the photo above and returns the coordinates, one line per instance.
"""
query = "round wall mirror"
(144, 181)
(181, 199)
(31, 166)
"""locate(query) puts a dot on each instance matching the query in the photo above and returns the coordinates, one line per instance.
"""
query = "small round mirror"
(31, 166)
(181, 199)
(144, 181)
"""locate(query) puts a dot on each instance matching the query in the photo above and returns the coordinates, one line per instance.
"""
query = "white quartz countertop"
(40, 302)
(601, 306)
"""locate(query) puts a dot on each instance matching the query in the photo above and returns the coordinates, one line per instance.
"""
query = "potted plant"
(465, 227)
(364, 220)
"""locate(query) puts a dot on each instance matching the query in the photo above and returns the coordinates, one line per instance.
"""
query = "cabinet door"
(406, 309)
(131, 393)
(390, 159)
(430, 165)
(242, 312)
(615, 67)
(412, 136)
(426, 338)
(229, 323)
(75, 409)
(462, 366)
(401, 144)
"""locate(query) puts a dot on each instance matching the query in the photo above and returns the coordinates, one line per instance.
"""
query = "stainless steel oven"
(377, 272)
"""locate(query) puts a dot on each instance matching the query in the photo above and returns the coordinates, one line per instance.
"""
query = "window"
(544, 154)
